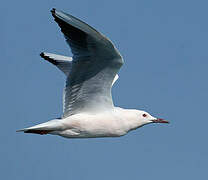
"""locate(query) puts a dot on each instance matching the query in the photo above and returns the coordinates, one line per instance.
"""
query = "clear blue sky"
(165, 47)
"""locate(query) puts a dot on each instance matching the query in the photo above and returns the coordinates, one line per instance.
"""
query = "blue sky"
(164, 45)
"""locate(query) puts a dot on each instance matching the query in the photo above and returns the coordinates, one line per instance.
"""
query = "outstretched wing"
(94, 66)
(63, 63)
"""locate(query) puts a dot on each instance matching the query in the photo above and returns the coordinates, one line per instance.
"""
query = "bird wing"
(94, 66)
(63, 63)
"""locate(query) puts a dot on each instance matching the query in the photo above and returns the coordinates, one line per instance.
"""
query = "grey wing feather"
(63, 63)
(95, 64)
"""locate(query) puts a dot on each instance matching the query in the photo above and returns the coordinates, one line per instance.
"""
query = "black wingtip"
(47, 58)
(53, 11)
(42, 54)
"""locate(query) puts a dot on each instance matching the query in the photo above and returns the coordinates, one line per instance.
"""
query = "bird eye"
(144, 115)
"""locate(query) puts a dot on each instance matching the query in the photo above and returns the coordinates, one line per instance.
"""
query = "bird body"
(88, 109)
(113, 123)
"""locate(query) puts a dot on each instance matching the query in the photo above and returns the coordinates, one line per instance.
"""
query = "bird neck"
(130, 118)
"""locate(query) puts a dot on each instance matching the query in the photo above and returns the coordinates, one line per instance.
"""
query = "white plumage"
(90, 73)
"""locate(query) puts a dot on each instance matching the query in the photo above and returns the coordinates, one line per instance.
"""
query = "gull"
(88, 109)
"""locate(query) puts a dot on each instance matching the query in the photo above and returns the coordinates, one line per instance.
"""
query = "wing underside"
(93, 69)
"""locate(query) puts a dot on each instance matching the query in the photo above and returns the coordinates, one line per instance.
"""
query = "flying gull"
(88, 109)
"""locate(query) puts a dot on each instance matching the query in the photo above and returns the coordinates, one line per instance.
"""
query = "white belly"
(89, 126)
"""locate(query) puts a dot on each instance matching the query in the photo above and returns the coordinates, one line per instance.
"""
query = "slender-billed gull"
(88, 109)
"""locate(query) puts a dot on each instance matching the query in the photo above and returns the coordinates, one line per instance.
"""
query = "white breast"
(105, 124)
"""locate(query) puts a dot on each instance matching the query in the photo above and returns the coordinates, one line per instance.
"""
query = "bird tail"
(43, 128)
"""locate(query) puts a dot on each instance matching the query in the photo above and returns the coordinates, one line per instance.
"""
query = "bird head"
(137, 118)
(146, 118)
